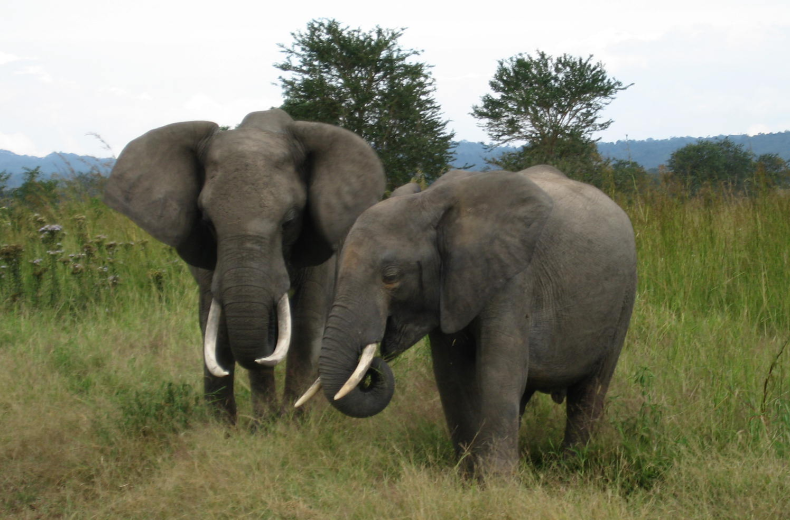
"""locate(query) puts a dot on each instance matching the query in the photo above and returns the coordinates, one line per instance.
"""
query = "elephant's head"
(413, 263)
(248, 204)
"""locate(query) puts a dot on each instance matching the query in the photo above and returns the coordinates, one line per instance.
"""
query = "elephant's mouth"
(391, 343)
(280, 349)
(401, 334)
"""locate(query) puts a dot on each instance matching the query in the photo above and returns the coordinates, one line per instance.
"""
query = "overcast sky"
(119, 69)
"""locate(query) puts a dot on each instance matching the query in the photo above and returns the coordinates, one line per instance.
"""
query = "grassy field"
(101, 414)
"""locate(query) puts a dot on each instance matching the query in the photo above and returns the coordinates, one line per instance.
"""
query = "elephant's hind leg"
(584, 408)
(585, 402)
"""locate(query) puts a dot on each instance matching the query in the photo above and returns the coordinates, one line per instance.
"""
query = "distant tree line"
(651, 153)
(37, 192)
(725, 164)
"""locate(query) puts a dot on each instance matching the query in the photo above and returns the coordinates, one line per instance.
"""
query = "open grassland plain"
(101, 412)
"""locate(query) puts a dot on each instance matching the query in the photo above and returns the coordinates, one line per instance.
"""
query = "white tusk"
(210, 341)
(365, 360)
(283, 334)
(309, 394)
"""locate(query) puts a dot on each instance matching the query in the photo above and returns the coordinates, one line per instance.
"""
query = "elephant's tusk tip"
(219, 372)
(284, 337)
(314, 388)
(268, 361)
(364, 364)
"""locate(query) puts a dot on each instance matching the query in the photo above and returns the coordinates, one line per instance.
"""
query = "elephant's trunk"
(249, 288)
(340, 354)
(247, 307)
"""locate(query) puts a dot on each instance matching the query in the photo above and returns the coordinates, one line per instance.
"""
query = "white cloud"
(231, 112)
(18, 143)
(8, 58)
(202, 103)
(37, 71)
(120, 92)
(758, 128)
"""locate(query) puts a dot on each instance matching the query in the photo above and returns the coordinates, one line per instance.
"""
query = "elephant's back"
(584, 219)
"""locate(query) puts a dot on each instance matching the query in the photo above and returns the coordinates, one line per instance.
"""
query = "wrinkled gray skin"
(524, 282)
(254, 211)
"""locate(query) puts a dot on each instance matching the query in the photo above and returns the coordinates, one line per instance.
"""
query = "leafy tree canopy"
(35, 192)
(713, 163)
(772, 170)
(367, 83)
(553, 105)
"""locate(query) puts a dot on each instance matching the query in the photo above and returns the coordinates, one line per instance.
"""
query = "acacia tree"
(551, 104)
(365, 82)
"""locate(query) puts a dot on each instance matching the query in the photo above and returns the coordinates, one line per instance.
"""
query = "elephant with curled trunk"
(255, 212)
(524, 283)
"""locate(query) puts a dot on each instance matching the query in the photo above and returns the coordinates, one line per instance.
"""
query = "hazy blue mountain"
(475, 155)
(61, 164)
(650, 153)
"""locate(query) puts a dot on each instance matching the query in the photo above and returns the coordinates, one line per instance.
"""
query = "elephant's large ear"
(345, 177)
(487, 235)
(156, 182)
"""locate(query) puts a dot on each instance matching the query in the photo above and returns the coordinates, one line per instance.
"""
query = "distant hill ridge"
(650, 153)
(60, 164)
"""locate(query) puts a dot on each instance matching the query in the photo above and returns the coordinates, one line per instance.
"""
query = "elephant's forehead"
(393, 218)
(380, 240)
(249, 144)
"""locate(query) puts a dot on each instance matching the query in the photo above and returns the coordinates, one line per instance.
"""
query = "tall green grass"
(101, 414)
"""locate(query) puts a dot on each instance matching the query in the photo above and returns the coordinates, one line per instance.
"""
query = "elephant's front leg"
(263, 394)
(454, 369)
(314, 289)
(218, 390)
(502, 362)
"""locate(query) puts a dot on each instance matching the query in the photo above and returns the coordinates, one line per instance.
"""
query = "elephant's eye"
(289, 220)
(208, 224)
(391, 275)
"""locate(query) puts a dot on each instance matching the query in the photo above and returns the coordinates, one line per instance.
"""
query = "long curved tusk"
(210, 341)
(365, 360)
(314, 388)
(283, 334)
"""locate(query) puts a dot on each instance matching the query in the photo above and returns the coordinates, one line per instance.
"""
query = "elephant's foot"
(491, 466)
(487, 461)
(222, 409)
(265, 406)
(218, 394)
(584, 409)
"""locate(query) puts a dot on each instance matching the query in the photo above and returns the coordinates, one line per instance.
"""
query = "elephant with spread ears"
(257, 212)
(524, 282)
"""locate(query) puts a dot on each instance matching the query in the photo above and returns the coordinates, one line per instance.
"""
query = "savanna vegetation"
(102, 414)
